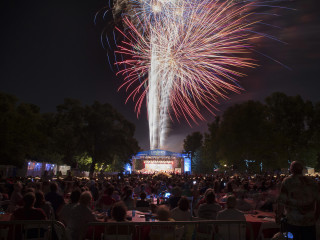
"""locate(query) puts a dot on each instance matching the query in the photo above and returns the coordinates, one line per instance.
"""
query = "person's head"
(208, 190)
(231, 201)
(30, 189)
(163, 213)
(85, 198)
(17, 186)
(110, 190)
(29, 200)
(176, 192)
(128, 193)
(75, 196)
(119, 211)
(183, 204)
(210, 197)
(53, 187)
(296, 168)
(143, 195)
(39, 198)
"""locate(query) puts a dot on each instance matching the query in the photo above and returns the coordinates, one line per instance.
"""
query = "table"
(257, 219)
(142, 232)
(5, 217)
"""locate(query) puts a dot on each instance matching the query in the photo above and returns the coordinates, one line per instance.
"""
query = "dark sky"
(51, 50)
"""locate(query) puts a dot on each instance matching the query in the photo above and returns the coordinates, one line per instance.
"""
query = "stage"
(154, 161)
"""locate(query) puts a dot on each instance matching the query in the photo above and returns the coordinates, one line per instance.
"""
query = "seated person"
(80, 216)
(231, 213)
(163, 213)
(182, 212)
(44, 205)
(28, 212)
(65, 212)
(203, 199)
(175, 197)
(165, 232)
(118, 214)
(127, 199)
(55, 198)
(143, 202)
(209, 209)
(106, 199)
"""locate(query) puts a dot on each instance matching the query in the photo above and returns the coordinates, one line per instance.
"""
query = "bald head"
(296, 168)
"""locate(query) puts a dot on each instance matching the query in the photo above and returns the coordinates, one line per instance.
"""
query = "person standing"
(299, 201)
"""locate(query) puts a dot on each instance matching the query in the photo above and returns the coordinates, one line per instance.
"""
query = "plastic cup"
(133, 213)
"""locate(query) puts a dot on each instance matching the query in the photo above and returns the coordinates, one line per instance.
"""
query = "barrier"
(179, 230)
(35, 230)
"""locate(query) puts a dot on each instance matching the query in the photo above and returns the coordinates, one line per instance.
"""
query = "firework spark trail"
(184, 55)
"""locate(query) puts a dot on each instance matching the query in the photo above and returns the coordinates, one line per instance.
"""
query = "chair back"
(267, 230)
(190, 199)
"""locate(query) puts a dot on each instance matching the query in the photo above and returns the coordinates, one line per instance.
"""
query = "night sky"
(51, 50)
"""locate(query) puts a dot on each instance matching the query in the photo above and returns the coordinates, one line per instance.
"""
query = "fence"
(179, 230)
(20, 230)
(186, 230)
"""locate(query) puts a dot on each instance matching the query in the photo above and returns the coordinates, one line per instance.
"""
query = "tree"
(107, 136)
(19, 130)
(211, 146)
(290, 118)
(243, 135)
(193, 142)
(66, 126)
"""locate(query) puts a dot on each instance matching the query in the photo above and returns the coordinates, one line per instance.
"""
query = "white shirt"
(209, 211)
(233, 231)
(80, 216)
(179, 215)
(65, 213)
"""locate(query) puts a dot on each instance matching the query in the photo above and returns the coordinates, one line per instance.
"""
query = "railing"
(186, 230)
(179, 230)
(29, 229)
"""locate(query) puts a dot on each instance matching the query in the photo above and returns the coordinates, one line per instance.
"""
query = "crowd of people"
(218, 196)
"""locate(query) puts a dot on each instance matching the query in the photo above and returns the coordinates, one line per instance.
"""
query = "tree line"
(90, 137)
(259, 136)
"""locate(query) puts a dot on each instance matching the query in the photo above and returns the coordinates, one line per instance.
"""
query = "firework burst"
(183, 56)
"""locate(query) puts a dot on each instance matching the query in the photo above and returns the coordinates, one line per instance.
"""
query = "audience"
(44, 205)
(182, 212)
(28, 211)
(16, 198)
(209, 209)
(54, 198)
(80, 215)
(127, 199)
(65, 213)
(119, 212)
(209, 194)
(163, 213)
(174, 199)
(142, 202)
(231, 213)
(106, 200)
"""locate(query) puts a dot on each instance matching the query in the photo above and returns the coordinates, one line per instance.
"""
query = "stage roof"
(159, 152)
